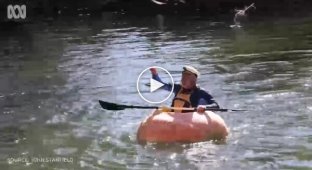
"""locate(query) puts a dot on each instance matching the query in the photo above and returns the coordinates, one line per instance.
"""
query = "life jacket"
(182, 100)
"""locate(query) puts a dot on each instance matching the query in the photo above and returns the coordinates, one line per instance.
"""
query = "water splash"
(241, 14)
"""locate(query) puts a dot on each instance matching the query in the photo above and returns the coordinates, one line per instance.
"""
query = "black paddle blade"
(110, 106)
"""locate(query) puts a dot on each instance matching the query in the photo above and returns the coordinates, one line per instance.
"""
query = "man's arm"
(206, 99)
(167, 86)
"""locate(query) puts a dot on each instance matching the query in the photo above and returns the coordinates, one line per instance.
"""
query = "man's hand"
(165, 109)
(153, 71)
(201, 109)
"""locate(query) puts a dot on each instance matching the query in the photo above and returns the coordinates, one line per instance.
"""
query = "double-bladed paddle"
(114, 106)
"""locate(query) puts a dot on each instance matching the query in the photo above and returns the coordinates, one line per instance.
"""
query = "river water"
(52, 75)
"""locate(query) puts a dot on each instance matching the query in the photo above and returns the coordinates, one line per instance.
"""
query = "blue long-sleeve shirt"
(198, 97)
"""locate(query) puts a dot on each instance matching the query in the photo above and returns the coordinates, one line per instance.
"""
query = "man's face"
(188, 80)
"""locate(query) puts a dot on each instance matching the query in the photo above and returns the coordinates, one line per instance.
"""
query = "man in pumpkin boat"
(187, 94)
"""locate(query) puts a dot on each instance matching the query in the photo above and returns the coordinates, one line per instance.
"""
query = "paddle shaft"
(207, 108)
(159, 107)
(114, 106)
(182, 108)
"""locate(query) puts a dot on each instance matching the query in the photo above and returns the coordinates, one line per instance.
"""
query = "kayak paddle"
(114, 106)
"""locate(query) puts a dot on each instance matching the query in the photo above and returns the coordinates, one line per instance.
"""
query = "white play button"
(155, 85)
(148, 88)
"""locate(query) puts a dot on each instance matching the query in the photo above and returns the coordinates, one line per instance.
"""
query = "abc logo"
(16, 11)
